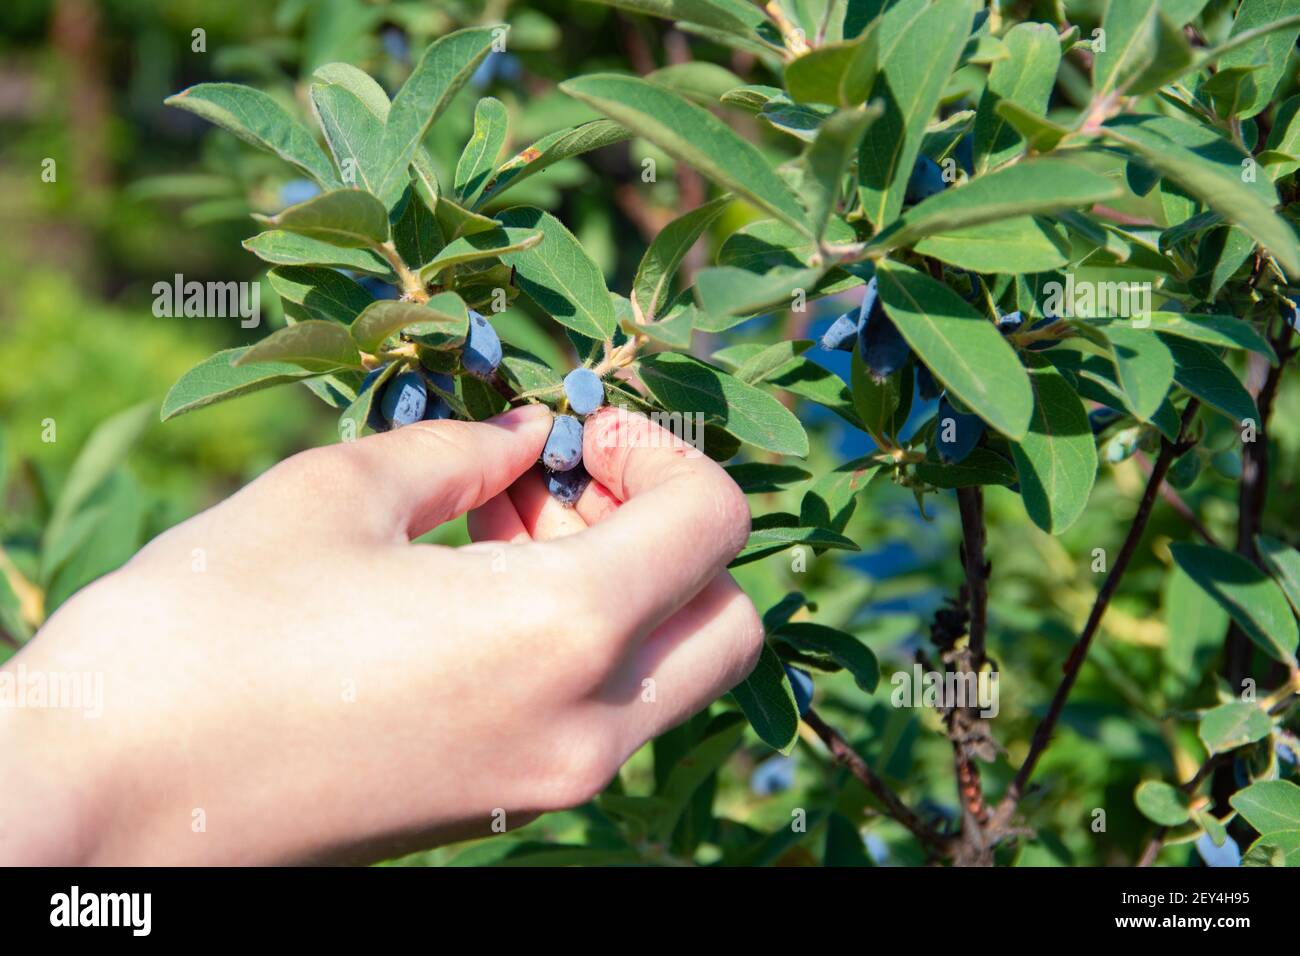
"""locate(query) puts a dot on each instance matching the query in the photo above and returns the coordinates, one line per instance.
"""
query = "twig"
(844, 754)
(1179, 505)
(1074, 663)
(971, 503)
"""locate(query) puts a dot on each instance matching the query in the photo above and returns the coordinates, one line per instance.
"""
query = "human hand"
(290, 670)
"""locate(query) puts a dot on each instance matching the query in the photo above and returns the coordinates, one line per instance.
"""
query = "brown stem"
(844, 754)
(971, 503)
(1043, 733)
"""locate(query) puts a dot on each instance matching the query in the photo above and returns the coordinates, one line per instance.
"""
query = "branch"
(844, 754)
(971, 503)
(1043, 733)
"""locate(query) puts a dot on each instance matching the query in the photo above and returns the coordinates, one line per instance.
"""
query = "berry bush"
(1023, 272)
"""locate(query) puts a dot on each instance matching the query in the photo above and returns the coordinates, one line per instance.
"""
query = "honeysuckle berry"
(404, 399)
(774, 775)
(1291, 313)
(563, 449)
(882, 347)
(567, 487)
(584, 390)
(1009, 322)
(1099, 419)
(801, 683)
(375, 417)
(437, 407)
(843, 333)
(925, 181)
(926, 385)
(955, 434)
(482, 352)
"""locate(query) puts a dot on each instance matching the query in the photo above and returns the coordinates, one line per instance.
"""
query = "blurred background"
(140, 192)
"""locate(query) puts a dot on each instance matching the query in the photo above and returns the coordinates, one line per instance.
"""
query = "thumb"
(418, 476)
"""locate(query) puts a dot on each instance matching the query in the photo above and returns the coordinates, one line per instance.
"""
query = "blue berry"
(298, 190)
(965, 152)
(882, 347)
(375, 418)
(801, 683)
(1010, 322)
(955, 435)
(563, 449)
(926, 386)
(926, 180)
(567, 487)
(1099, 419)
(482, 353)
(585, 391)
(404, 399)
(1291, 313)
(1227, 855)
(774, 775)
(842, 334)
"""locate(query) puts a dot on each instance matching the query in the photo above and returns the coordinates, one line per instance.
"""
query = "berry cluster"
(417, 394)
(566, 479)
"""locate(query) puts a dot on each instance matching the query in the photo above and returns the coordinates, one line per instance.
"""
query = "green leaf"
(920, 44)
(982, 466)
(876, 401)
(1201, 372)
(1233, 725)
(359, 83)
(1161, 803)
(1210, 169)
(1144, 49)
(525, 372)
(550, 149)
(691, 772)
(731, 16)
(831, 500)
(768, 541)
(1284, 562)
(256, 118)
(769, 360)
(670, 245)
(1025, 78)
(442, 322)
(1057, 459)
(1144, 367)
(1195, 624)
(443, 69)
(353, 133)
(829, 158)
(314, 344)
(355, 416)
(844, 649)
(325, 293)
(416, 234)
(215, 379)
(729, 295)
(760, 477)
(1029, 188)
(1040, 134)
(559, 275)
(1268, 55)
(493, 244)
(839, 74)
(683, 383)
(345, 217)
(1253, 600)
(1225, 331)
(1270, 806)
(768, 702)
(692, 135)
(290, 249)
(1013, 246)
(963, 349)
(480, 153)
(105, 449)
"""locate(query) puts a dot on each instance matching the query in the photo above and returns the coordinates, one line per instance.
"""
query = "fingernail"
(521, 416)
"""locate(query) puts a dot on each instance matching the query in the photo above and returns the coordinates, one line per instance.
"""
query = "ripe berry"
(955, 435)
(926, 180)
(563, 449)
(375, 418)
(801, 683)
(567, 487)
(584, 390)
(842, 334)
(404, 399)
(774, 775)
(482, 353)
(437, 408)
(926, 386)
(882, 347)
(1099, 419)
(1010, 322)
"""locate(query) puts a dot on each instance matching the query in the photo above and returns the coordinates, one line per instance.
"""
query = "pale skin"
(324, 690)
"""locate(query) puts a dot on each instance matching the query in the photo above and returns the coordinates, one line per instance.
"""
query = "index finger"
(681, 521)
